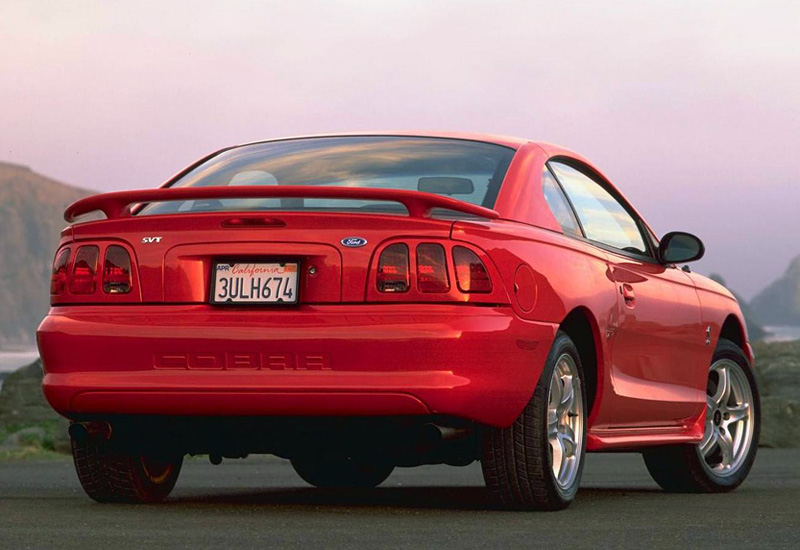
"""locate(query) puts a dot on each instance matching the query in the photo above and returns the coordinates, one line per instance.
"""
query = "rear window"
(469, 171)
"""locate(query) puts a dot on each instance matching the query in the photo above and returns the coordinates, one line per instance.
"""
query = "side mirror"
(678, 247)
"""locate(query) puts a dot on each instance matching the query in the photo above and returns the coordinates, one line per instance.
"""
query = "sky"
(691, 108)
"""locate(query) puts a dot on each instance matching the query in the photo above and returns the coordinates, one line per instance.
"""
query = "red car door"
(658, 348)
(657, 344)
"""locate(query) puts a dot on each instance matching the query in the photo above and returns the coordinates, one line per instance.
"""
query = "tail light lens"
(58, 279)
(393, 269)
(84, 271)
(432, 268)
(471, 274)
(117, 271)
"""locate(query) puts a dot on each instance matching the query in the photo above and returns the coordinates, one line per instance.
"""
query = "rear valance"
(418, 204)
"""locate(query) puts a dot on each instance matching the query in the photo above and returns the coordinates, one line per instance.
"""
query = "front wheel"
(537, 462)
(722, 460)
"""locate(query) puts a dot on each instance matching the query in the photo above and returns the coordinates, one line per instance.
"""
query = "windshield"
(469, 171)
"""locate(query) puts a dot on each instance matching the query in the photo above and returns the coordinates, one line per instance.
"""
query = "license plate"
(254, 283)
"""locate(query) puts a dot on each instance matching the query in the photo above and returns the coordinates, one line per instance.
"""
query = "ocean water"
(782, 334)
(12, 360)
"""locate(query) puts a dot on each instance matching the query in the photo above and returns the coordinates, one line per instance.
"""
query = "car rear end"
(202, 311)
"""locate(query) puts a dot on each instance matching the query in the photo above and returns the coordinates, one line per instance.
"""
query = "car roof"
(506, 141)
(552, 150)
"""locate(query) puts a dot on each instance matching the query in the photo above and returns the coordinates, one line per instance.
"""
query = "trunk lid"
(175, 253)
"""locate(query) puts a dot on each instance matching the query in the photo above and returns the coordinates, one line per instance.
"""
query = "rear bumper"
(473, 362)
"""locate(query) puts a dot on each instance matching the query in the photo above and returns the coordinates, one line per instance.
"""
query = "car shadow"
(435, 498)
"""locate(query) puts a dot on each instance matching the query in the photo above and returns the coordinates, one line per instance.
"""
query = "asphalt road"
(261, 503)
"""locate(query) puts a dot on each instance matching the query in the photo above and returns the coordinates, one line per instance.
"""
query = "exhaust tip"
(83, 431)
(434, 433)
(78, 432)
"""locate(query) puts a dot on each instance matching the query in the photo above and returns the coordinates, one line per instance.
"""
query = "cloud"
(689, 107)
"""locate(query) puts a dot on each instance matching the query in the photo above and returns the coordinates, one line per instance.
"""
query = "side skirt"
(635, 438)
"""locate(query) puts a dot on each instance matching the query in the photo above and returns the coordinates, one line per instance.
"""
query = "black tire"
(517, 461)
(682, 469)
(110, 475)
(341, 472)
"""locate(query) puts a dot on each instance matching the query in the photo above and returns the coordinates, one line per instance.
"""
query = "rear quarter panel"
(549, 275)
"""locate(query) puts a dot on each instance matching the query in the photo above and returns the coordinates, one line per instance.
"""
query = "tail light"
(419, 270)
(117, 271)
(432, 268)
(84, 271)
(393, 270)
(58, 279)
(79, 277)
(471, 274)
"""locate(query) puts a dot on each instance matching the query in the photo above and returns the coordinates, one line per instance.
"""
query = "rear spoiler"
(118, 204)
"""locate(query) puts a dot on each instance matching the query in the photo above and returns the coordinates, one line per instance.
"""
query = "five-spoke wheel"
(729, 418)
(536, 462)
(722, 460)
(565, 421)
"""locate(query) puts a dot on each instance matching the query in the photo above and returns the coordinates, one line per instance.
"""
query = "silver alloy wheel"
(565, 421)
(729, 419)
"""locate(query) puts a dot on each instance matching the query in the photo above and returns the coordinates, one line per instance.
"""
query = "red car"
(356, 303)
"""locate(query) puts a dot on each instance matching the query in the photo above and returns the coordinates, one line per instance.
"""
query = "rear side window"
(603, 218)
(559, 206)
(470, 171)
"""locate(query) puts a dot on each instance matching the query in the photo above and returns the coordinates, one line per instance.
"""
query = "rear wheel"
(108, 474)
(341, 472)
(537, 462)
(722, 460)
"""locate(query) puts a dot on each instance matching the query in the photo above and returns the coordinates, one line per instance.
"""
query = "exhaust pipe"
(83, 431)
(434, 433)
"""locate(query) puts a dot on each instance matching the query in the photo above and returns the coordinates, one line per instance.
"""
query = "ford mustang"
(356, 303)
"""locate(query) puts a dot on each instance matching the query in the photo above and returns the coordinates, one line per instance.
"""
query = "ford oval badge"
(354, 242)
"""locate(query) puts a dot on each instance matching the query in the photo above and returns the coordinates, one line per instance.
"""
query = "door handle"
(628, 295)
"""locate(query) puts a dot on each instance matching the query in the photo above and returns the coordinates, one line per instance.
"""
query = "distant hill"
(779, 303)
(755, 330)
(31, 214)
